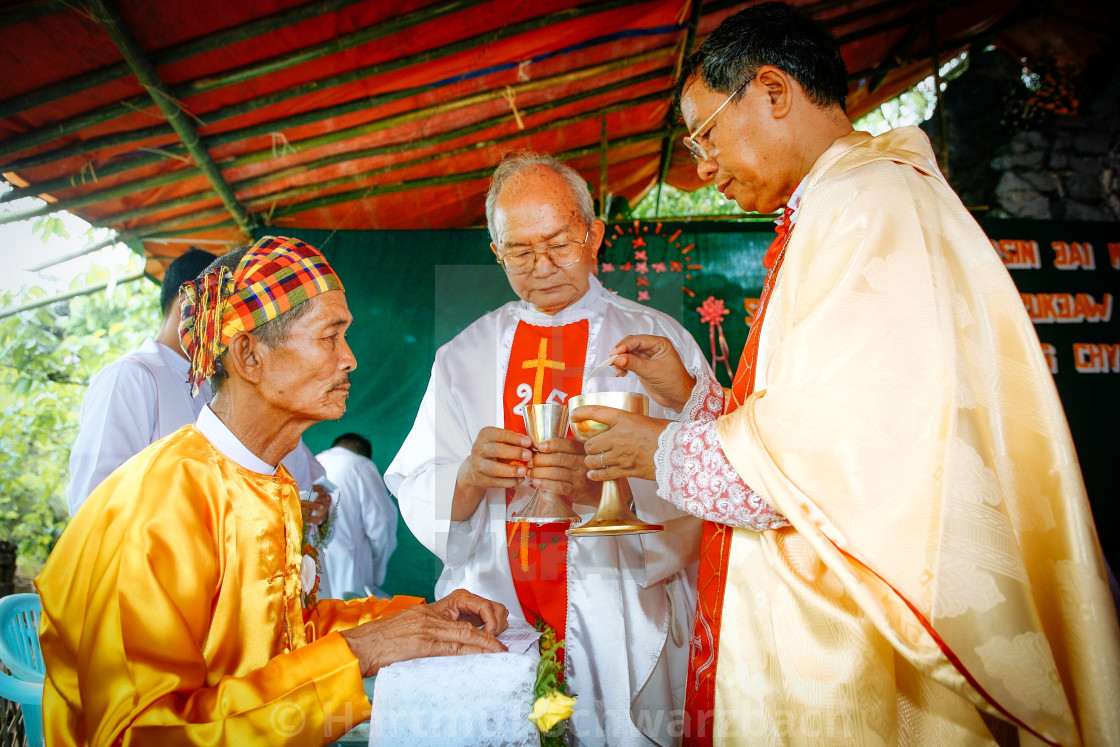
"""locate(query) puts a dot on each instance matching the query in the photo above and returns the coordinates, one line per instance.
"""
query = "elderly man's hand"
(558, 467)
(445, 628)
(316, 511)
(656, 362)
(497, 460)
(626, 449)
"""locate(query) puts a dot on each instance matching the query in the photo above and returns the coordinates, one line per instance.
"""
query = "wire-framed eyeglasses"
(692, 141)
(561, 255)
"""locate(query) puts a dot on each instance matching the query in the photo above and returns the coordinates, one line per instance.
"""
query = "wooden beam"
(110, 18)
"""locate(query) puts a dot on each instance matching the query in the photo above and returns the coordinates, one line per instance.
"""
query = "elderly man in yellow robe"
(173, 606)
(898, 546)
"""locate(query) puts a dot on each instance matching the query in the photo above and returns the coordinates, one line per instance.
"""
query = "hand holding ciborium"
(545, 423)
(614, 515)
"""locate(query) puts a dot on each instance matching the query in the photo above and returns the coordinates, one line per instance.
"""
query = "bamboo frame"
(264, 201)
(183, 51)
(361, 194)
(105, 114)
(122, 190)
(114, 24)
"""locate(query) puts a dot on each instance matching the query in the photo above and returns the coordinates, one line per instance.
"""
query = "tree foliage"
(47, 356)
(676, 202)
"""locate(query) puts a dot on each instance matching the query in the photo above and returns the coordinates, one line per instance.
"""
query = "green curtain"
(412, 291)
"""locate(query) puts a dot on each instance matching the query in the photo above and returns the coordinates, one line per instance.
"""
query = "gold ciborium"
(614, 515)
(544, 423)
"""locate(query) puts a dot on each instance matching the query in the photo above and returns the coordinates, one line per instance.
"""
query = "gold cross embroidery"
(540, 363)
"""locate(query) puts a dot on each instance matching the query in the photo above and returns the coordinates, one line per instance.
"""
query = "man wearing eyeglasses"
(898, 546)
(623, 605)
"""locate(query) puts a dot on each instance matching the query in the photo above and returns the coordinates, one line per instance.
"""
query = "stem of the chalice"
(614, 515)
(544, 423)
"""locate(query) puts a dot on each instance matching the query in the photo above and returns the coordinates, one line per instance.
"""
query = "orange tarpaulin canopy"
(200, 119)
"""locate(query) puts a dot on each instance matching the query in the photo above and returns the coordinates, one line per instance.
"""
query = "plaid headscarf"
(275, 275)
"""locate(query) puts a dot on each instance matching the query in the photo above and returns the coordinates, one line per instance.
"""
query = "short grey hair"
(514, 163)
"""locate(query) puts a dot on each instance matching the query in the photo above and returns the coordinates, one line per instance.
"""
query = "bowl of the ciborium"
(628, 401)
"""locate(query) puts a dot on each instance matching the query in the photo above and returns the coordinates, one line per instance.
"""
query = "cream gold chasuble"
(172, 612)
(942, 561)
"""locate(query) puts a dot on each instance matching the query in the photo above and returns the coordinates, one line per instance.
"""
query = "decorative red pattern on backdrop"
(715, 546)
(545, 365)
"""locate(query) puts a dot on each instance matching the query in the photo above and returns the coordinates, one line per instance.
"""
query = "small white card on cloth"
(519, 637)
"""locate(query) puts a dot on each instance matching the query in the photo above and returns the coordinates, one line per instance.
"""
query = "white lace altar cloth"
(480, 699)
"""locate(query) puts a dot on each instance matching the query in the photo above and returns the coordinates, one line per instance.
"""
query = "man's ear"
(245, 356)
(595, 241)
(779, 88)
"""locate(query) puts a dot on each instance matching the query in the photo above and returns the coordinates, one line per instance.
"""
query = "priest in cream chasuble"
(899, 548)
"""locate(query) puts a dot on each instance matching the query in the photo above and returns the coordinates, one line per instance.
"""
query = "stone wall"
(1046, 166)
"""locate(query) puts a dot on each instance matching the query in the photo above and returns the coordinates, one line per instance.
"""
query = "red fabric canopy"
(390, 113)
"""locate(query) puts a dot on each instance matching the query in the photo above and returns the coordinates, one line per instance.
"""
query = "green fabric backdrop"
(412, 291)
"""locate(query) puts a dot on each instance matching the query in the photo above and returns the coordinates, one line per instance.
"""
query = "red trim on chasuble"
(715, 546)
(545, 365)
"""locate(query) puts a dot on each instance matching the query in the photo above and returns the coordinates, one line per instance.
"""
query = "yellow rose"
(551, 709)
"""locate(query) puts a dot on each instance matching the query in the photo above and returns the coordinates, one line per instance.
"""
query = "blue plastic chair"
(20, 653)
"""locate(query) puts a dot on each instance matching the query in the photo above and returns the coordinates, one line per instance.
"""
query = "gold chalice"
(614, 515)
(544, 423)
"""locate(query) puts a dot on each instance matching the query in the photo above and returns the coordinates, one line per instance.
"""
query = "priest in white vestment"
(625, 604)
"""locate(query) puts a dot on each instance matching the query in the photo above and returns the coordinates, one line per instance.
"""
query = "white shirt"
(364, 529)
(134, 402)
(631, 599)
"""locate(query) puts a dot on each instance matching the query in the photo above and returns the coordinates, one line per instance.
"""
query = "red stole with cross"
(715, 546)
(545, 365)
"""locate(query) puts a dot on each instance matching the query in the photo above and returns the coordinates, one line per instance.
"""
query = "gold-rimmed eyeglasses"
(561, 255)
(692, 141)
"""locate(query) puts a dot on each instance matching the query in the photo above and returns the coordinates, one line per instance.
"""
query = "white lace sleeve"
(694, 474)
(706, 401)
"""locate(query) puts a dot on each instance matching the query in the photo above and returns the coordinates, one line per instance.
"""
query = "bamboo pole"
(31, 9)
(68, 295)
(518, 88)
(108, 113)
(112, 240)
(164, 230)
(434, 181)
(339, 135)
(686, 51)
(264, 201)
(217, 115)
(114, 25)
(603, 146)
(183, 51)
(128, 106)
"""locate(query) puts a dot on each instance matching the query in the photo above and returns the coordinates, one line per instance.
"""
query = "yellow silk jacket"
(172, 612)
